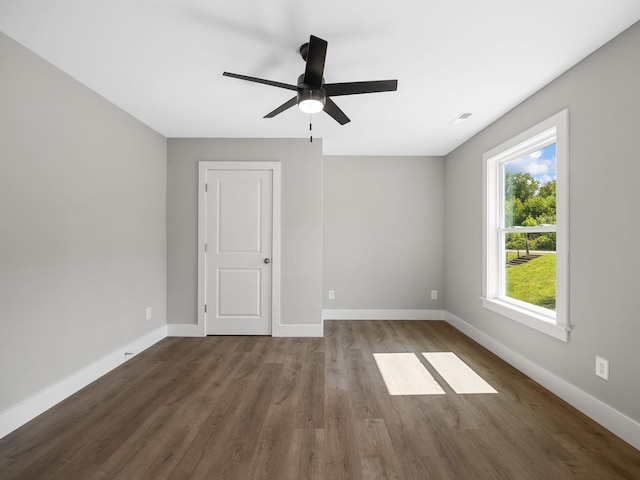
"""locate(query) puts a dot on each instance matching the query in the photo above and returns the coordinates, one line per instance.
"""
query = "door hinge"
(205, 247)
(206, 187)
(205, 308)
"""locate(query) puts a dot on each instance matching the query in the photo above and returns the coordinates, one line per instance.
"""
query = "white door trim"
(274, 167)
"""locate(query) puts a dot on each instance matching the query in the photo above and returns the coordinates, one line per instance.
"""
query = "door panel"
(239, 292)
(239, 209)
(238, 235)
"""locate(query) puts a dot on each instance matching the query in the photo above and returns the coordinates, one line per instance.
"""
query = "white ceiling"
(162, 61)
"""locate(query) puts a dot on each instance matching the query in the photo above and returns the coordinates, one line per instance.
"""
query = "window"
(526, 226)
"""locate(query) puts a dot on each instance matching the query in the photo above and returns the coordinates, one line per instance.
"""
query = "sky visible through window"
(541, 165)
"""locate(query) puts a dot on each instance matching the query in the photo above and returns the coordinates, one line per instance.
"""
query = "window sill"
(539, 322)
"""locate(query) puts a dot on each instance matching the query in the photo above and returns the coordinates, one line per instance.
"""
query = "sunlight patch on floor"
(460, 377)
(404, 374)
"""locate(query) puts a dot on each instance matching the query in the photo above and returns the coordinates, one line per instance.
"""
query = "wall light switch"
(434, 294)
(332, 294)
(148, 313)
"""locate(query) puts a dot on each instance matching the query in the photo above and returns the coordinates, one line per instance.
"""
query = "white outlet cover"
(602, 368)
(148, 313)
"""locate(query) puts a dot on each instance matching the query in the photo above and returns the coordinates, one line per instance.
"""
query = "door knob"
(266, 260)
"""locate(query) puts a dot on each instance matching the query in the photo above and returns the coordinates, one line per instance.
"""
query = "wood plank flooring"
(311, 408)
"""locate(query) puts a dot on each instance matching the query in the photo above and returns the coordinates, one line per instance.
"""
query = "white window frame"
(554, 323)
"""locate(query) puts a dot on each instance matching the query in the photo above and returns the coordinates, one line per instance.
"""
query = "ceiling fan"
(312, 94)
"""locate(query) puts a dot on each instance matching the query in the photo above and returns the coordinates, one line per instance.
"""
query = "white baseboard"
(25, 411)
(180, 330)
(611, 419)
(355, 314)
(175, 330)
(298, 330)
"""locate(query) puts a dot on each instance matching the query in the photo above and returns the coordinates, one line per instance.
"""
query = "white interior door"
(238, 231)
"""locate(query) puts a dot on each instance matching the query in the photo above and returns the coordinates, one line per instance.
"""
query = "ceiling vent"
(460, 118)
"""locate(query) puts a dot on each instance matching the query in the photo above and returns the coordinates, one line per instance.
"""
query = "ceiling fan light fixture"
(311, 100)
(311, 106)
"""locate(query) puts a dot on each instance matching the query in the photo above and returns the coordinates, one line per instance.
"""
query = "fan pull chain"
(310, 129)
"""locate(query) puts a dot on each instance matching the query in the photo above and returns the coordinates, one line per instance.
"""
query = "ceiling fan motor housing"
(307, 92)
(311, 94)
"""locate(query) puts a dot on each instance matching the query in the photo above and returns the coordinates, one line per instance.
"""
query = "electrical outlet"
(332, 294)
(602, 368)
(434, 294)
(148, 313)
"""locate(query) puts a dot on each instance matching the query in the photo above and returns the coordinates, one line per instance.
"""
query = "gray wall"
(383, 232)
(82, 219)
(602, 94)
(301, 221)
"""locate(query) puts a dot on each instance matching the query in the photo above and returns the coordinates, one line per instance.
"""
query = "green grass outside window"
(534, 282)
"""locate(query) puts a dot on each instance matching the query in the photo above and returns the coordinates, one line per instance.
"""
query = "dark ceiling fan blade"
(261, 80)
(285, 106)
(334, 111)
(316, 53)
(354, 88)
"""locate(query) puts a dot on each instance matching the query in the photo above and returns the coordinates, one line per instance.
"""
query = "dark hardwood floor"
(311, 408)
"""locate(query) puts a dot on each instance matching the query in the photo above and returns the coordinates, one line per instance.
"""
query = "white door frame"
(274, 167)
